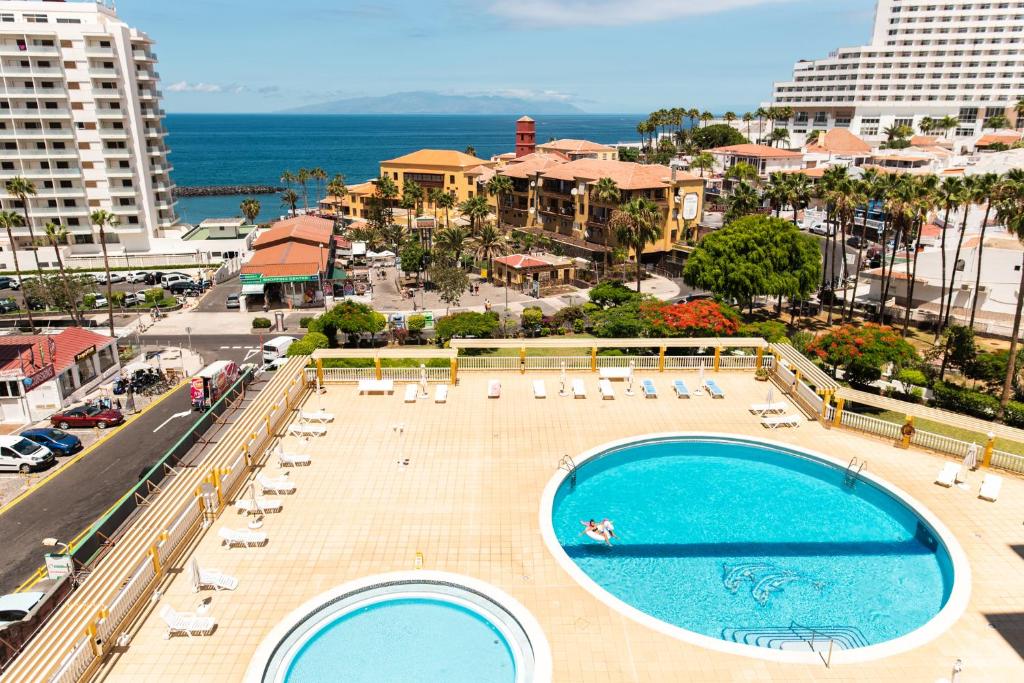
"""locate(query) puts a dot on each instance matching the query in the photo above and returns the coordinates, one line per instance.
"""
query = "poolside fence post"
(906, 433)
(990, 445)
(661, 359)
(454, 371)
(838, 418)
(154, 556)
(718, 357)
(593, 359)
(522, 360)
(760, 358)
(379, 374)
(319, 372)
(94, 644)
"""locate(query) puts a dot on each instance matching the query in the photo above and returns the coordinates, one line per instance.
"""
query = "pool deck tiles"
(469, 501)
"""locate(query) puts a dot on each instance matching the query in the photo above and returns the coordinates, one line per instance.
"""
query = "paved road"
(211, 347)
(82, 492)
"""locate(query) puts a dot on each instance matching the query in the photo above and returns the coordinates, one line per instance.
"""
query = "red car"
(87, 416)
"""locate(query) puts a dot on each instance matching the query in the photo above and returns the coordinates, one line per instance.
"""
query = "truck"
(207, 387)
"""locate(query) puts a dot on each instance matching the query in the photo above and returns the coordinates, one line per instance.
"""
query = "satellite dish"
(27, 381)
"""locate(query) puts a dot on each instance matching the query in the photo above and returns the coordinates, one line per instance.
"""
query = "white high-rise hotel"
(80, 117)
(959, 58)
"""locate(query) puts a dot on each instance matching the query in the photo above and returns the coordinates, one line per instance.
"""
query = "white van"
(277, 348)
(18, 454)
(171, 278)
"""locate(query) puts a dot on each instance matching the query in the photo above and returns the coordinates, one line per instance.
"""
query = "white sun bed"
(714, 389)
(376, 386)
(605, 387)
(766, 408)
(780, 421)
(275, 484)
(539, 390)
(320, 416)
(947, 475)
(185, 622)
(990, 487)
(306, 429)
(650, 391)
(679, 386)
(290, 459)
(613, 373)
(493, 388)
(243, 537)
(441, 393)
(412, 392)
(579, 389)
(260, 506)
(211, 578)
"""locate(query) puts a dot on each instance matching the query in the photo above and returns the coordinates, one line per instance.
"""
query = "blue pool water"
(744, 542)
(407, 639)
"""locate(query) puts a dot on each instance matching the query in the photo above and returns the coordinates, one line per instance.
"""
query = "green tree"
(445, 201)
(250, 208)
(476, 210)
(413, 256)
(985, 188)
(382, 214)
(57, 236)
(290, 201)
(997, 122)
(9, 220)
(629, 154)
(22, 188)
(1010, 212)
(319, 176)
(451, 283)
(488, 243)
(303, 177)
(103, 219)
(743, 172)
(606, 191)
(531, 320)
(499, 186)
(637, 223)
(703, 161)
(945, 124)
(861, 351)
(778, 136)
(742, 201)
(452, 241)
(747, 118)
(968, 196)
(716, 135)
(349, 318)
(951, 195)
(469, 324)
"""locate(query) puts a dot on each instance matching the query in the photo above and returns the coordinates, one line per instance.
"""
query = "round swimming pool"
(751, 547)
(423, 626)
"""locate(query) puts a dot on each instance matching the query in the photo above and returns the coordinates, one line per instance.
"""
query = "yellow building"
(556, 198)
(444, 169)
(353, 205)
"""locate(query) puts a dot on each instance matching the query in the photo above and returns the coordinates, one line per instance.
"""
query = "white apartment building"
(80, 117)
(935, 58)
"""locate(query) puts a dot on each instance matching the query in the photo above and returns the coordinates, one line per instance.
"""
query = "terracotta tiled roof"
(759, 151)
(626, 174)
(998, 138)
(571, 146)
(521, 261)
(924, 140)
(839, 141)
(528, 165)
(362, 188)
(816, 172)
(527, 119)
(306, 228)
(448, 158)
(288, 258)
(69, 343)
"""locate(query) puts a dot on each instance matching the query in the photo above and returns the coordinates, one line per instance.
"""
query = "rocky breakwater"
(225, 190)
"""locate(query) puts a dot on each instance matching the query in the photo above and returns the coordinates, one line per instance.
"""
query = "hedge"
(975, 404)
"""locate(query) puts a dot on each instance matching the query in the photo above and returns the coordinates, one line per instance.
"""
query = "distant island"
(425, 102)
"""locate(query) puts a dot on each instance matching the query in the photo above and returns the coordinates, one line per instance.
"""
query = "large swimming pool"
(752, 544)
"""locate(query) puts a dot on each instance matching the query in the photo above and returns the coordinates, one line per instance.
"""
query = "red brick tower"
(526, 136)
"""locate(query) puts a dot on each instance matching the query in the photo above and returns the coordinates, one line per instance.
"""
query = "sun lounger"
(679, 386)
(579, 389)
(493, 389)
(186, 623)
(613, 373)
(766, 408)
(243, 537)
(605, 387)
(412, 391)
(947, 476)
(990, 486)
(777, 421)
(649, 389)
(260, 506)
(306, 429)
(714, 389)
(211, 578)
(291, 459)
(539, 390)
(275, 485)
(441, 393)
(319, 416)
(376, 386)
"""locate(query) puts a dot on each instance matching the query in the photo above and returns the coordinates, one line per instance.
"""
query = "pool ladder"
(567, 464)
(853, 471)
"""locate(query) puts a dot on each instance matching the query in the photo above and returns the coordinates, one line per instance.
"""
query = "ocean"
(232, 149)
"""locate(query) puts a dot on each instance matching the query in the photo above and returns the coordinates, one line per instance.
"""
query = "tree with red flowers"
(862, 351)
(702, 318)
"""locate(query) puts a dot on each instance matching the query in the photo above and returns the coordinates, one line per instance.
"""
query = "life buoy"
(596, 536)
(907, 430)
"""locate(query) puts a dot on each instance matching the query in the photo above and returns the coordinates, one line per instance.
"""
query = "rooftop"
(758, 151)
(570, 146)
(442, 158)
(839, 141)
(300, 228)
(32, 349)
(626, 174)
(519, 261)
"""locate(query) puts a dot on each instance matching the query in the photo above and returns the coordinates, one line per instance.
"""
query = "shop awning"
(248, 289)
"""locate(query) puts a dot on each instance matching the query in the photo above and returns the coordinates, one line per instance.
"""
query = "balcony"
(156, 151)
(29, 51)
(33, 71)
(34, 92)
(113, 133)
(110, 114)
(143, 56)
(38, 154)
(116, 153)
(37, 113)
(148, 95)
(43, 173)
(28, 133)
(144, 75)
(123, 191)
(155, 133)
(119, 172)
(106, 93)
(97, 51)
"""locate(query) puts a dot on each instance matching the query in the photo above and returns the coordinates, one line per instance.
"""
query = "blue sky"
(622, 56)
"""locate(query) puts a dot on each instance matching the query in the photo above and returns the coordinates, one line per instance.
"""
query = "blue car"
(57, 440)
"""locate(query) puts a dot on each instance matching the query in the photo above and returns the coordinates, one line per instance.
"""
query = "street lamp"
(53, 543)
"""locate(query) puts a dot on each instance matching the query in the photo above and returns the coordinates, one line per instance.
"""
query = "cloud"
(522, 94)
(551, 13)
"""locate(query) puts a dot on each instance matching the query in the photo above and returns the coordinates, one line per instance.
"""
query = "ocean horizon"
(254, 149)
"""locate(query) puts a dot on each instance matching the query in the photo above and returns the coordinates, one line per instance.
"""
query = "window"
(10, 388)
(34, 18)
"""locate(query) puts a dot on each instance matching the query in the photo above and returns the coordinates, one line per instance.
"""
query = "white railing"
(689, 362)
(555, 362)
(737, 362)
(873, 425)
(938, 442)
(491, 362)
(768, 361)
(125, 599)
(342, 374)
(639, 362)
(830, 413)
(75, 664)
(809, 397)
(414, 374)
(1008, 461)
(177, 530)
(786, 377)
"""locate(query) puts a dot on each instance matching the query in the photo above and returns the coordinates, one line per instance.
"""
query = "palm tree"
(777, 191)
(605, 191)
(825, 189)
(499, 186)
(799, 193)
(336, 188)
(287, 177)
(475, 209)
(704, 161)
(729, 117)
(951, 195)
(408, 203)
(103, 219)
(9, 220)
(921, 194)
(693, 114)
(320, 176)
(446, 201)
(742, 201)
(743, 172)
(946, 123)
(967, 197)
(747, 118)
(869, 188)
(761, 115)
(22, 188)
(452, 240)
(778, 136)
(845, 199)
(1010, 211)
(706, 117)
(250, 209)
(1018, 110)
(985, 188)
(303, 177)
(637, 224)
(57, 235)
(289, 200)
(927, 125)
(489, 243)
(996, 122)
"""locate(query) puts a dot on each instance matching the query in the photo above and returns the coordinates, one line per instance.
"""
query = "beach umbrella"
(971, 457)
(423, 381)
(194, 570)
(771, 395)
(629, 378)
(561, 391)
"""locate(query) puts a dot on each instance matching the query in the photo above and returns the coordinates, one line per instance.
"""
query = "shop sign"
(87, 353)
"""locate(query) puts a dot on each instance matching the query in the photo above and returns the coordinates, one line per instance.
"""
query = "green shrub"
(305, 321)
(117, 298)
(771, 330)
(300, 348)
(154, 295)
(912, 376)
(975, 403)
(89, 300)
(261, 323)
(315, 340)
(416, 323)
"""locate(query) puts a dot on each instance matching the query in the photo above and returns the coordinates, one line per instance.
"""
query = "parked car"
(136, 276)
(101, 300)
(35, 303)
(87, 416)
(186, 287)
(170, 278)
(856, 241)
(6, 281)
(822, 229)
(16, 284)
(18, 454)
(16, 606)
(58, 441)
(115, 277)
(133, 298)
(153, 278)
(8, 305)
(232, 301)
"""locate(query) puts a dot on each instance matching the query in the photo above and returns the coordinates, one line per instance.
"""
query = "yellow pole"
(718, 358)
(760, 357)
(986, 461)
(522, 360)
(661, 359)
(320, 370)
(826, 398)
(215, 474)
(266, 418)
(94, 644)
(907, 433)
(154, 556)
(455, 370)
(837, 419)
(376, 367)
(593, 359)
(247, 456)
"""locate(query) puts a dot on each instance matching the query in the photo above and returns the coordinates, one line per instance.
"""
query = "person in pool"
(607, 529)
